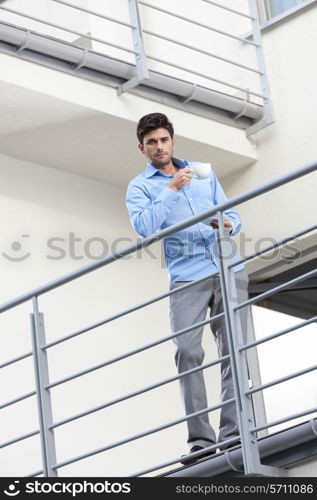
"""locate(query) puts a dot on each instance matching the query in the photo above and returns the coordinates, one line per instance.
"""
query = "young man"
(162, 195)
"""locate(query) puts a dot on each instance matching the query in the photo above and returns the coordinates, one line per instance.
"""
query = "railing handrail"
(137, 350)
(169, 337)
(95, 13)
(229, 9)
(202, 51)
(207, 77)
(149, 240)
(152, 300)
(278, 288)
(147, 433)
(276, 244)
(68, 30)
(192, 21)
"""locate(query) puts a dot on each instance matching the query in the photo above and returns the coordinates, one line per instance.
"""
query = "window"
(273, 8)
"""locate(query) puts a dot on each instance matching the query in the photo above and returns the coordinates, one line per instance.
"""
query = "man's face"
(158, 147)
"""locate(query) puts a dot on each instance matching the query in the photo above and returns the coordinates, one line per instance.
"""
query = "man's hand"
(226, 222)
(181, 179)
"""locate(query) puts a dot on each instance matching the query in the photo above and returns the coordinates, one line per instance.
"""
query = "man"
(164, 194)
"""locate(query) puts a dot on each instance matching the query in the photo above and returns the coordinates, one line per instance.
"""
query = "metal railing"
(237, 347)
(142, 37)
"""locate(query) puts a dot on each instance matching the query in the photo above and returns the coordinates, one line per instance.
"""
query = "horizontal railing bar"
(134, 351)
(17, 400)
(125, 312)
(140, 391)
(192, 455)
(310, 284)
(282, 379)
(276, 289)
(279, 334)
(143, 434)
(20, 438)
(69, 30)
(94, 13)
(15, 360)
(275, 245)
(282, 420)
(205, 76)
(36, 473)
(202, 25)
(202, 51)
(229, 9)
(153, 238)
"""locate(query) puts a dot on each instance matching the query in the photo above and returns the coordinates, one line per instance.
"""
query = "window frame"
(266, 22)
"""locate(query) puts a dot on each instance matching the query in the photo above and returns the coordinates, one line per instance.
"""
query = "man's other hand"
(226, 222)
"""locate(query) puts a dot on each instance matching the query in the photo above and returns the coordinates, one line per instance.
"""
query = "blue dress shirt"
(191, 253)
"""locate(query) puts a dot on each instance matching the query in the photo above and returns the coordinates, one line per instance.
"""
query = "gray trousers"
(188, 307)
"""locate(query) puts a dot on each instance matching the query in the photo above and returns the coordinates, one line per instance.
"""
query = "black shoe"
(229, 446)
(191, 460)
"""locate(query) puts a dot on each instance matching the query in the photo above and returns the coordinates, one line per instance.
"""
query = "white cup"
(201, 170)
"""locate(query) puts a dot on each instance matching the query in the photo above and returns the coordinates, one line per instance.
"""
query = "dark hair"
(151, 122)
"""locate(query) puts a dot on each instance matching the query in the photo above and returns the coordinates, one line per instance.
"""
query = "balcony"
(159, 50)
(122, 54)
(270, 454)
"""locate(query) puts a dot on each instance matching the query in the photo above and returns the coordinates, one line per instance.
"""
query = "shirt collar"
(150, 170)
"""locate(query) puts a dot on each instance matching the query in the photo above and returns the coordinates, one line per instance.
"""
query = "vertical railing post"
(267, 104)
(140, 58)
(255, 379)
(239, 366)
(43, 396)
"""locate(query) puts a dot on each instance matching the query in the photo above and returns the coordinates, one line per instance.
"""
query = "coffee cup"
(201, 170)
